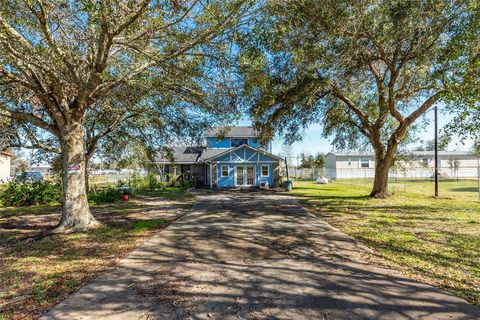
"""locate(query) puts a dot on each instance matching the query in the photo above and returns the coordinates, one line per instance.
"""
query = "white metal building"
(5, 159)
(419, 164)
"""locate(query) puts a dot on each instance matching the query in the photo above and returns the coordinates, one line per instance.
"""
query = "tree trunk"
(380, 184)
(76, 214)
(87, 185)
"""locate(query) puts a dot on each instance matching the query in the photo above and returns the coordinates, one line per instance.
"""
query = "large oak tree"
(366, 70)
(63, 60)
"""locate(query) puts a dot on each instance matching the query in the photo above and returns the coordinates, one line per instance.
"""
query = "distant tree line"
(308, 161)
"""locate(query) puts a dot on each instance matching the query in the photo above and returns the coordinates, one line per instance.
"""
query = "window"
(238, 142)
(224, 171)
(364, 163)
(349, 161)
(264, 172)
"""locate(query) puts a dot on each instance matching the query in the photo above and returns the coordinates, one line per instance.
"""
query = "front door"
(250, 176)
(240, 177)
(245, 176)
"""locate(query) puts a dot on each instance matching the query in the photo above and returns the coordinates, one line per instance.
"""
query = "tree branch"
(363, 117)
(24, 116)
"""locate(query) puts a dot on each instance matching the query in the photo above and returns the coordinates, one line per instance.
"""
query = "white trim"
(246, 146)
(360, 163)
(235, 175)
(254, 182)
(261, 171)
(221, 170)
(237, 156)
(253, 155)
(245, 175)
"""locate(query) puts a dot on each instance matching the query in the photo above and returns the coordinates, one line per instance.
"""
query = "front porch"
(243, 167)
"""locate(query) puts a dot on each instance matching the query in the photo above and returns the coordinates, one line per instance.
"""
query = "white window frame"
(261, 170)
(221, 171)
(362, 160)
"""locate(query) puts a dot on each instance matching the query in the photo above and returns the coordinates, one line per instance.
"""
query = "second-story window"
(238, 142)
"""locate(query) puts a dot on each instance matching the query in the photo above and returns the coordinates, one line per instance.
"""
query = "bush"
(186, 184)
(27, 194)
(109, 195)
(150, 182)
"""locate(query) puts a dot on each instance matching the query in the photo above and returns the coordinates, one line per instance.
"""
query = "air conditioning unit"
(264, 185)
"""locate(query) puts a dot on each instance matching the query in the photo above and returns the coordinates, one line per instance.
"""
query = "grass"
(36, 275)
(436, 241)
(455, 189)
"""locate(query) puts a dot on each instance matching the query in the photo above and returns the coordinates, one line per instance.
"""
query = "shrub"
(109, 195)
(150, 182)
(186, 184)
(27, 194)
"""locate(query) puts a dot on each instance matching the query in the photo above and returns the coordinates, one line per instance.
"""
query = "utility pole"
(436, 152)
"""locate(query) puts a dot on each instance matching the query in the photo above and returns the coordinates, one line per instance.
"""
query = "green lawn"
(436, 241)
(455, 189)
(35, 275)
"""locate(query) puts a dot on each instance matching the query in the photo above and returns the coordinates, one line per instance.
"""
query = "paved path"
(255, 256)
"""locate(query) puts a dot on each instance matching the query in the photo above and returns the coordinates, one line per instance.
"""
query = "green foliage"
(365, 70)
(150, 182)
(361, 69)
(27, 194)
(312, 161)
(186, 184)
(109, 195)
(476, 149)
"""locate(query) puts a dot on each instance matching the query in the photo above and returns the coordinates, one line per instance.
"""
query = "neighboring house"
(340, 165)
(234, 160)
(5, 159)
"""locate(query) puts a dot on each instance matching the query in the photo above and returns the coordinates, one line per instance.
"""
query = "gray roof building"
(240, 131)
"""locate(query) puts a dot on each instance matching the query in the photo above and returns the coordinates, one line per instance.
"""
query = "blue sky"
(313, 141)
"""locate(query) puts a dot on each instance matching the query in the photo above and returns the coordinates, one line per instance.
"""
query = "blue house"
(231, 158)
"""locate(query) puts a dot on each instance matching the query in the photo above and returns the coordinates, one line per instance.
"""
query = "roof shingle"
(237, 131)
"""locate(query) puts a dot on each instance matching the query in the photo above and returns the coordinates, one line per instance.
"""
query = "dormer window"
(238, 142)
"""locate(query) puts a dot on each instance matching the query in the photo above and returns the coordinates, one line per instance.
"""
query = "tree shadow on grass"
(465, 189)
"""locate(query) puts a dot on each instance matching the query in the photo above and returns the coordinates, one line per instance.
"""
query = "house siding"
(205, 164)
(245, 157)
(225, 182)
(215, 143)
(268, 179)
(229, 182)
(4, 168)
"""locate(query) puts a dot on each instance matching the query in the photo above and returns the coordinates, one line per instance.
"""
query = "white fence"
(369, 173)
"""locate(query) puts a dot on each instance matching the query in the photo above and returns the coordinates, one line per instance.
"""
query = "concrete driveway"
(241, 255)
